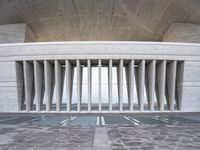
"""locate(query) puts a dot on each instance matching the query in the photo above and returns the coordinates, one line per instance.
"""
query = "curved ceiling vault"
(125, 20)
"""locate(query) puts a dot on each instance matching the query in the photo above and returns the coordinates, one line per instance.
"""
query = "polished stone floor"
(104, 132)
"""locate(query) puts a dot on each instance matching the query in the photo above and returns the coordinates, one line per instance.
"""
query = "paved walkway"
(116, 132)
(156, 137)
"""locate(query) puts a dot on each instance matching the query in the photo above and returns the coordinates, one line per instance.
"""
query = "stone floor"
(99, 132)
(46, 138)
(155, 137)
(13, 137)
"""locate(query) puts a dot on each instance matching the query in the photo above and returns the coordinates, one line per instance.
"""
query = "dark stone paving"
(64, 132)
(144, 137)
(46, 138)
(155, 137)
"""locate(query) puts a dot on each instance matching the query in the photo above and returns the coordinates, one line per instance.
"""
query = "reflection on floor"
(99, 132)
(67, 120)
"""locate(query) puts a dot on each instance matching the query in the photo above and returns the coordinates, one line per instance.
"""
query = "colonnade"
(158, 78)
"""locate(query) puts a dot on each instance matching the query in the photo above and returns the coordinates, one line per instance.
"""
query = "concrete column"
(89, 84)
(20, 84)
(151, 72)
(171, 83)
(130, 83)
(38, 78)
(48, 77)
(28, 83)
(58, 84)
(110, 84)
(69, 83)
(99, 84)
(181, 70)
(120, 84)
(141, 82)
(79, 84)
(161, 75)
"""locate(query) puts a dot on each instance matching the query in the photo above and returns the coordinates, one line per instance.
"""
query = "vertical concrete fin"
(141, 82)
(28, 82)
(48, 75)
(171, 83)
(130, 83)
(38, 79)
(78, 66)
(161, 79)
(120, 84)
(20, 84)
(151, 71)
(68, 76)
(179, 87)
(58, 84)
(89, 84)
(110, 84)
(72, 81)
(99, 84)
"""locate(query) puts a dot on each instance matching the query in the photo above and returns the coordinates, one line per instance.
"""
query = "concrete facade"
(16, 33)
(35, 71)
(97, 76)
(183, 32)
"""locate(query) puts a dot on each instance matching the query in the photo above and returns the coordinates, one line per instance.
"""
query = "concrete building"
(100, 56)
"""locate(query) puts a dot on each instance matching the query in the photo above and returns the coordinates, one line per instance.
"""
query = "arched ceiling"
(125, 20)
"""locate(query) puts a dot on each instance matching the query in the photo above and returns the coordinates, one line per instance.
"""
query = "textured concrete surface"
(144, 20)
(188, 87)
(16, 33)
(183, 32)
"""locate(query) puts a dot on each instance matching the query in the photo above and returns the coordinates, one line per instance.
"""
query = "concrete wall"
(16, 33)
(8, 87)
(191, 86)
(189, 53)
(183, 32)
